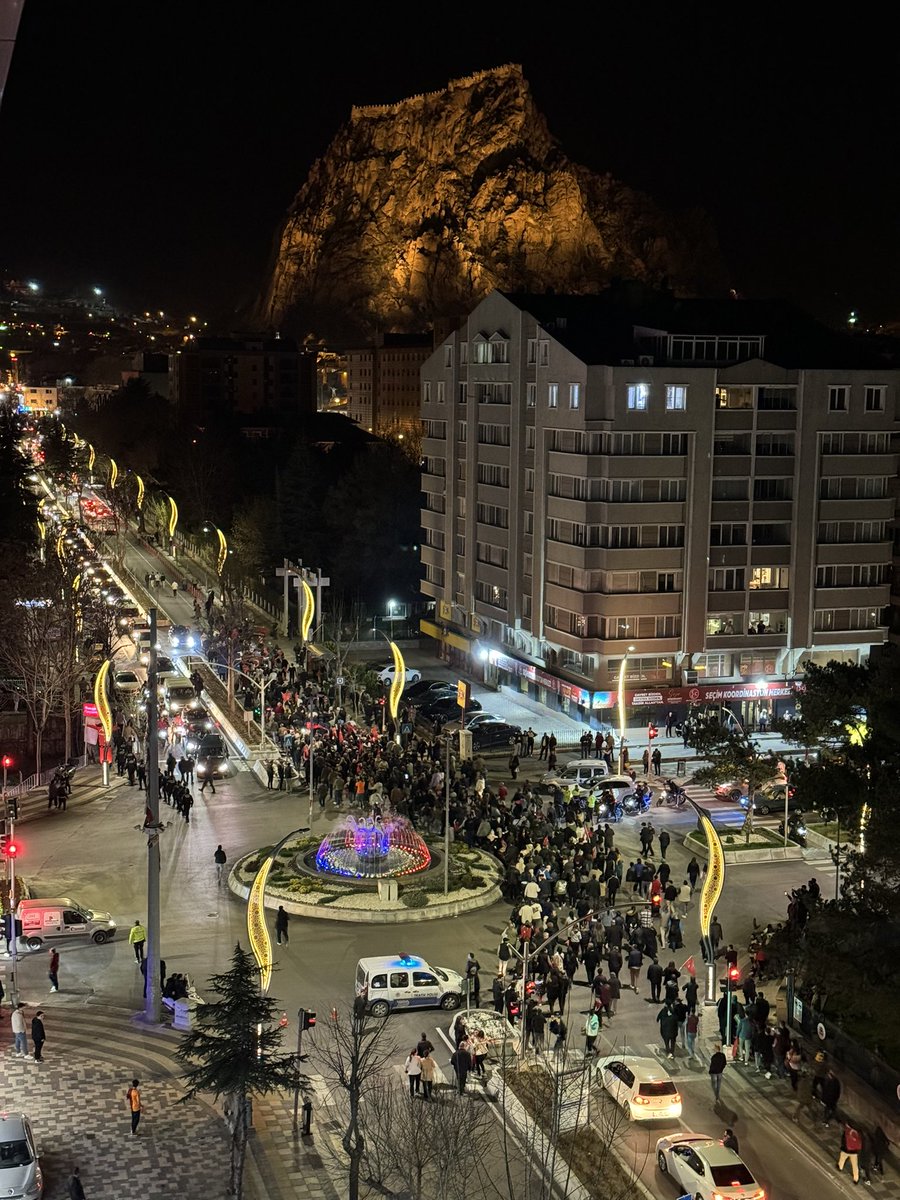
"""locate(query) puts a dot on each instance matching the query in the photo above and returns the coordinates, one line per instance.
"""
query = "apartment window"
(434, 574)
(672, 490)
(529, 479)
(628, 443)
(574, 487)
(671, 535)
(435, 429)
(576, 441)
(729, 489)
(532, 350)
(493, 474)
(490, 593)
(463, 353)
(462, 393)
(673, 444)
(713, 666)
(544, 353)
(492, 514)
(731, 443)
(529, 437)
(624, 536)
(834, 619)
(493, 435)
(723, 624)
(459, 545)
(773, 489)
(770, 399)
(497, 556)
(676, 397)
(461, 506)
(853, 487)
(837, 532)
(461, 431)
(574, 395)
(434, 538)
(728, 535)
(528, 521)
(665, 581)
(439, 391)
(874, 399)
(726, 579)
(434, 502)
(838, 398)
(734, 397)
(448, 356)
(769, 577)
(625, 491)
(426, 391)
(434, 466)
(774, 445)
(530, 395)
(637, 396)
(852, 575)
(552, 395)
(769, 534)
(494, 393)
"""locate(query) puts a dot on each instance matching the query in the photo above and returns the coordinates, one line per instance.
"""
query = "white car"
(128, 682)
(584, 773)
(387, 675)
(705, 1169)
(641, 1086)
(20, 1163)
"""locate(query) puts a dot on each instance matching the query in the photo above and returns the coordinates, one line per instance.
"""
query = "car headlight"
(201, 770)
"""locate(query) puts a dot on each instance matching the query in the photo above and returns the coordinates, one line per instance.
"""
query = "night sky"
(153, 148)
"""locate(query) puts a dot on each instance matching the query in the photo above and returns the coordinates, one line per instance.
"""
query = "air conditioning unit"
(689, 677)
(646, 360)
(627, 362)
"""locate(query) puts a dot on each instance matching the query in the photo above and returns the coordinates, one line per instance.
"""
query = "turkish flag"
(689, 966)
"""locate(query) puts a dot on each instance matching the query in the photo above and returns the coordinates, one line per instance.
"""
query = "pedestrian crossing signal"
(652, 732)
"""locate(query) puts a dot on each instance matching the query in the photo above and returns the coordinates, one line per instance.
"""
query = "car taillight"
(676, 1099)
(641, 1100)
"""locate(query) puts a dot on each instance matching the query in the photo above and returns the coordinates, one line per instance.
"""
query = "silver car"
(20, 1166)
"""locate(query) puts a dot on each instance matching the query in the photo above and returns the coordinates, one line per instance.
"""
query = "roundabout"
(365, 871)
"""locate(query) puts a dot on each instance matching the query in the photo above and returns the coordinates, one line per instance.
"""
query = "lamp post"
(390, 608)
(630, 650)
(222, 552)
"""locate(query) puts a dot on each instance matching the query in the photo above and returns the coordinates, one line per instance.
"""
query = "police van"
(406, 981)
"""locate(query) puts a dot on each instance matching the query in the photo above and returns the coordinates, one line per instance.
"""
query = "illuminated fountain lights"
(373, 848)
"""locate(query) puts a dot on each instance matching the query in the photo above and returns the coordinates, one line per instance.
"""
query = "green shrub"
(414, 897)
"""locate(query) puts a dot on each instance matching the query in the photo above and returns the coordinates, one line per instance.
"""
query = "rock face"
(419, 209)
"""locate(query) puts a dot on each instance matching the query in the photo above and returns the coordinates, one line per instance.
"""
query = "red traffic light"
(7, 761)
(652, 732)
(734, 972)
(12, 849)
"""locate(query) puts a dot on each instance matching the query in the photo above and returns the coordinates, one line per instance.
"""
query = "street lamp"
(222, 554)
(390, 608)
(622, 708)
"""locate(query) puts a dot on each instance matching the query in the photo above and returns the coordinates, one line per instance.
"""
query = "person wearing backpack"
(851, 1144)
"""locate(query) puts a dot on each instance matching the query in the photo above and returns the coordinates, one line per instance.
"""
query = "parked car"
(641, 1086)
(583, 773)
(494, 733)
(473, 720)
(20, 1164)
(444, 709)
(704, 1169)
(387, 675)
(418, 693)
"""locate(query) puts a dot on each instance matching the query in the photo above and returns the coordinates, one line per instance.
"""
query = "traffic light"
(7, 762)
(730, 982)
(652, 732)
(307, 1019)
(9, 848)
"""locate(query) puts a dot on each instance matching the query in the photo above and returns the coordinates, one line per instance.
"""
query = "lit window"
(530, 395)
(676, 397)
(553, 395)
(638, 394)
(574, 395)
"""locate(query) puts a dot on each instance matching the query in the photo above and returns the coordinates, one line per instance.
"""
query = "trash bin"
(387, 889)
(681, 768)
(182, 1010)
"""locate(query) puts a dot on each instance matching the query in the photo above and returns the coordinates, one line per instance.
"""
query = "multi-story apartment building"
(242, 376)
(382, 383)
(705, 489)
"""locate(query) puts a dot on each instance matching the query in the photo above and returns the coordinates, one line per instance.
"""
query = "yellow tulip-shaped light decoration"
(139, 498)
(104, 712)
(173, 517)
(92, 457)
(309, 610)
(60, 547)
(715, 876)
(399, 681)
(223, 552)
(258, 933)
(113, 473)
(76, 584)
(42, 529)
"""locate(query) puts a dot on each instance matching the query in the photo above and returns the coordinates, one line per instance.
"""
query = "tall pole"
(447, 821)
(312, 734)
(13, 935)
(153, 1001)
(286, 615)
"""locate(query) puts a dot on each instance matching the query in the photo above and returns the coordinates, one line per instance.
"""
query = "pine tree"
(233, 1051)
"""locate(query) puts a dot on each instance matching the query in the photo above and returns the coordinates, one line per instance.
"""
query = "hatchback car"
(770, 799)
(641, 1086)
(705, 1169)
(387, 675)
(178, 695)
(20, 1166)
(128, 682)
(494, 733)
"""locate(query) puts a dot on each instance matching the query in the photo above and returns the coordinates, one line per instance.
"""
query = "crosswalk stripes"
(33, 806)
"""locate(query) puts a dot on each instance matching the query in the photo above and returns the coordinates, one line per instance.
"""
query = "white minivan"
(61, 920)
(406, 981)
(583, 773)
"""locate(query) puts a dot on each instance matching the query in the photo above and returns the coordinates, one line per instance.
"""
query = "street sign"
(463, 690)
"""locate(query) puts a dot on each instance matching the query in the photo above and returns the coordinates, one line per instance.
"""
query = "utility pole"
(13, 928)
(447, 820)
(153, 1002)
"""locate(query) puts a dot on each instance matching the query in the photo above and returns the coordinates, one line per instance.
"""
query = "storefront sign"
(89, 710)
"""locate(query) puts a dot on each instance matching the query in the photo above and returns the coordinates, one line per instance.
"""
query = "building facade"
(705, 490)
(243, 376)
(382, 383)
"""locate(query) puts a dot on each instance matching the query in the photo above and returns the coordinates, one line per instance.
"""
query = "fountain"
(383, 847)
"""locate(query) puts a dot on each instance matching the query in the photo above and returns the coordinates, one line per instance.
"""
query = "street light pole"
(447, 820)
(152, 830)
(622, 709)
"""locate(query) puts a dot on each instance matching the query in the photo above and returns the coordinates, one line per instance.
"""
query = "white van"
(406, 981)
(62, 920)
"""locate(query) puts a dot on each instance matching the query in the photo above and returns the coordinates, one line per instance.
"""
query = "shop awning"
(444, 635)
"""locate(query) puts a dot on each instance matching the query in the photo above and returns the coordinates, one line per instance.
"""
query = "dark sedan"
(444, 709)
(494, 733)
(428, 689)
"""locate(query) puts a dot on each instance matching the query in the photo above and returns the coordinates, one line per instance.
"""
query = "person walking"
(803, 1096)
(691, 1029)
(693, 874)
(461, 1061)
(717, 1066)
(830, 1094)
(270, 775)
(281, 925)
(17, 1021)
(668, 1029)
(473, 979)
(219, 859)
(137, 937)
(76, 1191)
(133, 1099)
(851, 1144)
(656, 760)
(664, 840)
(38, 1036)
(670, 723)
(53, 970)
(413, 1069)
(514, 765)
(208, 780)
(427, 1069)
(591, 1032)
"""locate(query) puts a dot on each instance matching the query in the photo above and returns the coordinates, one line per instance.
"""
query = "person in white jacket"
(18, 1028)
(413, 1068)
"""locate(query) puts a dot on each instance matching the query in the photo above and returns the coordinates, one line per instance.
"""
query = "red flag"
(689, 966)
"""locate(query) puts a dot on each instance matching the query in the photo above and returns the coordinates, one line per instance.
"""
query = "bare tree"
(353, 1049)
